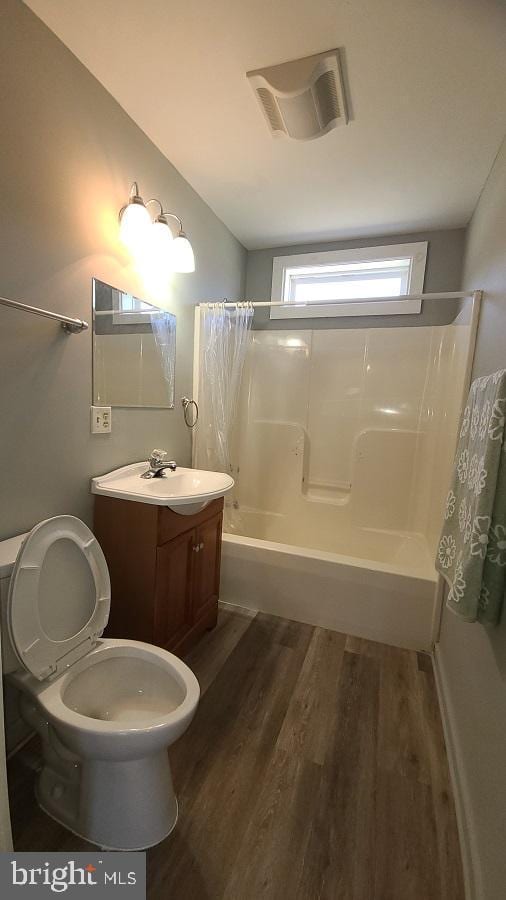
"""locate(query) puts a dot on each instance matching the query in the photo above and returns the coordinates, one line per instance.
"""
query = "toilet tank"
(8, 552)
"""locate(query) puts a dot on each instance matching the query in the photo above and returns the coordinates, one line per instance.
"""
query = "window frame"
(416, 251)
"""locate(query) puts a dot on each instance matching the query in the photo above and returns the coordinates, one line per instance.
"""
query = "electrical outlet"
(100, 419)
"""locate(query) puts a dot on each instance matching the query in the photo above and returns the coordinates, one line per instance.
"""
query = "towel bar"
(69, 325)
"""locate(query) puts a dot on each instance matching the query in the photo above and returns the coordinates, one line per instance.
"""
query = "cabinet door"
(207, 575)
(173, 593)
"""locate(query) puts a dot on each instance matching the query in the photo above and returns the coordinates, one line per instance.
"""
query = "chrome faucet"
(157, 465)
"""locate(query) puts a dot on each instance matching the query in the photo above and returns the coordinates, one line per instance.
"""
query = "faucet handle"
(157, 456)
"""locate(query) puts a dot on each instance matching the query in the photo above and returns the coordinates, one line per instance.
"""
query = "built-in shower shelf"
(335, 493)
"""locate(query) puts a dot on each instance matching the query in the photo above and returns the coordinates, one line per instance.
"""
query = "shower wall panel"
(349, 429)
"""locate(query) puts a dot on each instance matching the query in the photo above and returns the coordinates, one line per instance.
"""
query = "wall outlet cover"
(101, 419)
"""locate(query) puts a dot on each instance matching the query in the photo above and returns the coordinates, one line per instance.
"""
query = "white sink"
(186, 491)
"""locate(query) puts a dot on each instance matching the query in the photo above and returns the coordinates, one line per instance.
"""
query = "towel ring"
(187, 403)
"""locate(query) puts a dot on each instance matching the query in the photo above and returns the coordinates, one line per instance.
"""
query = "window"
(341, 278)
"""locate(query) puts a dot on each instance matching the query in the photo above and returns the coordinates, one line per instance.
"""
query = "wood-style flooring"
(314, 768)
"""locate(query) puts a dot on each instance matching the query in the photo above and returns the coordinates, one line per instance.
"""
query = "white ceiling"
(428, 96)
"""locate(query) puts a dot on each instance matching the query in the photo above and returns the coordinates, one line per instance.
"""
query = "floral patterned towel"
(471, 554)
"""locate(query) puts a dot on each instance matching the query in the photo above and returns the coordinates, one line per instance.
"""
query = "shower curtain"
(224, 338)
(163, 325)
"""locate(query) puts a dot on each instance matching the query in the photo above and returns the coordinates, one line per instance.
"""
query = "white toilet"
(106, 709)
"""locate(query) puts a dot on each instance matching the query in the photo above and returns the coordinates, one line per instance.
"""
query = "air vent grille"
(325, 89)
(271, 109)
(302, 99)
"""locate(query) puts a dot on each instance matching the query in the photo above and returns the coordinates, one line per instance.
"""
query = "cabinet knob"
(196, 548)
(201, 546)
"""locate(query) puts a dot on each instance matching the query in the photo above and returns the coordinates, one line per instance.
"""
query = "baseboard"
(463, 809)
(240, 610)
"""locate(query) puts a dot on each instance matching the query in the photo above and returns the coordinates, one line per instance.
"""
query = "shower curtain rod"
(446, 295)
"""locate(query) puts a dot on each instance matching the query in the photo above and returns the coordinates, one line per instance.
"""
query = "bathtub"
(382, 586)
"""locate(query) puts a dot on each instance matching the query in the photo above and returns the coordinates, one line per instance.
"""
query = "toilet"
(106, 709)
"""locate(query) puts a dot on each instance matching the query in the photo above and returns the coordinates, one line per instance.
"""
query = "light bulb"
(154, 257)
(155, 246)
(134, 224)
(181, 253)
(161, 238)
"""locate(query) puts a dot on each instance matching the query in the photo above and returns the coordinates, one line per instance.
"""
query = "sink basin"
(186, 491)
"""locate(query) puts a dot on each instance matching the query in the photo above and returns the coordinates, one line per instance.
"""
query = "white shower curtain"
(224, 338)
(163, 325)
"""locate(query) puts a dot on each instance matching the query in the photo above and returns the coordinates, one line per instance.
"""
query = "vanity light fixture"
(139, 232)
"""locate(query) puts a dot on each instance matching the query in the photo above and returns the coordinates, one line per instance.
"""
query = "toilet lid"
(59, 596)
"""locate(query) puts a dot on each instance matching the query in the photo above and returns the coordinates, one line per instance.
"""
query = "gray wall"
(443, 273)
(473, 660)
(68, 154)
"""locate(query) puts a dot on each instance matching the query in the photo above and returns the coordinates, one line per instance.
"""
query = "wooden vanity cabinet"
(164, 568)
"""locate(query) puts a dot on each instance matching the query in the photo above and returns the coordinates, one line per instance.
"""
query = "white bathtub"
(393, 598)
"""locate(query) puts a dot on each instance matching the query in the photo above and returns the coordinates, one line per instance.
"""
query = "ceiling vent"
(304, 98)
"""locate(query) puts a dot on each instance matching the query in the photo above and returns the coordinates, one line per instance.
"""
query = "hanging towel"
(471, 554)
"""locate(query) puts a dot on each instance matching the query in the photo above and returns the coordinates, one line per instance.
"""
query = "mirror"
(134, 350)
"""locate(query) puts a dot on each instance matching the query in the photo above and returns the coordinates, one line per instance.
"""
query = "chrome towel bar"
(69, 325)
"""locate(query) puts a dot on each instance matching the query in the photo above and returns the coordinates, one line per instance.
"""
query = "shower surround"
(342, 450)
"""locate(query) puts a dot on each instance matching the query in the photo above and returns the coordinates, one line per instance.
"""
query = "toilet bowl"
(106, 709)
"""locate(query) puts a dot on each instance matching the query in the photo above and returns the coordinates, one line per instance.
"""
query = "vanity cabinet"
(164, 568)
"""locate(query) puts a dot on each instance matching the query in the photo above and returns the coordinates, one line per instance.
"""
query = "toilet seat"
(55, 619)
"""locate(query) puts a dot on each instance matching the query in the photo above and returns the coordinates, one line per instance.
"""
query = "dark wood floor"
(315, 768)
